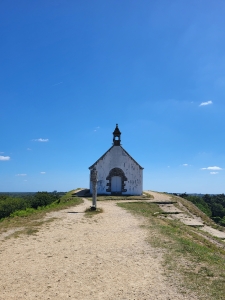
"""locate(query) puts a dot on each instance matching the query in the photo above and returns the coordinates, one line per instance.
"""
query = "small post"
(94, 179)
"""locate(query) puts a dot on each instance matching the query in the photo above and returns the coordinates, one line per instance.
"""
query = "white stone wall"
(118, 158)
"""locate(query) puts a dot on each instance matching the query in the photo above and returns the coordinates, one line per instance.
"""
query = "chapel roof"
(108, 151)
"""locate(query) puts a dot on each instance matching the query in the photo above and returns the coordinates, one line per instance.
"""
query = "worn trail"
(74, 257)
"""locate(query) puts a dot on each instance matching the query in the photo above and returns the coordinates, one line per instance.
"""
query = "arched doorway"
(116, 182)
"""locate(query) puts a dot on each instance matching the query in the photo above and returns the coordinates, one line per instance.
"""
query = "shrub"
(23, 206)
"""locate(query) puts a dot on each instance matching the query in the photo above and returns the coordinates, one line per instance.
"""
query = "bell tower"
(116, 136)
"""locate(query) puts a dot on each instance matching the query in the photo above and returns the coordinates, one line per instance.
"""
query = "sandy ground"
(104, 257)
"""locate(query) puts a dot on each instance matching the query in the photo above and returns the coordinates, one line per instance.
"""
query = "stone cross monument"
(94, 179)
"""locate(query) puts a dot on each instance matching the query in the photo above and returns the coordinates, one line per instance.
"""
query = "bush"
(22, 213)
(222, 221)
(8, 205)
(23, 206)
(43, 199)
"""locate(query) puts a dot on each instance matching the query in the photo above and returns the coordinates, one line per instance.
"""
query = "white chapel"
(118, 172)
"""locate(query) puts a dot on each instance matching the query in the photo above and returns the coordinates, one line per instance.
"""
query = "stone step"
(169, 209)
(215, 232)
(162, 202)
(189, 221)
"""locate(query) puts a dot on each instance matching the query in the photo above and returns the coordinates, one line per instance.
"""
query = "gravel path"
(74, 257)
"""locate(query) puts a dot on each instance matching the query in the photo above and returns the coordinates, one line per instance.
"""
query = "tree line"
(212, 205)
(9, 204)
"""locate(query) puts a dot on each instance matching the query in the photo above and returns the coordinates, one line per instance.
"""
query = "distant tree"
(200, 203)
(43, 199)
(222, 221)
(8, 205)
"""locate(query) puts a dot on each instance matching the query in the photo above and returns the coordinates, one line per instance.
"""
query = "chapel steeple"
(116, 136)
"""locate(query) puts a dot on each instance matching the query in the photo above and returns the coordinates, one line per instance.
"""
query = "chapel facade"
(118, 172)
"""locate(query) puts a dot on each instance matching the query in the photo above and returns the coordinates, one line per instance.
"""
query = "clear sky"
(70, 70)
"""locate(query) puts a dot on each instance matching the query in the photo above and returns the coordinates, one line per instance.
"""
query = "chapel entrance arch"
(116, 182)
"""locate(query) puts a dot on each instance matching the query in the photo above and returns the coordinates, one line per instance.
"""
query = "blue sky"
(71, 70)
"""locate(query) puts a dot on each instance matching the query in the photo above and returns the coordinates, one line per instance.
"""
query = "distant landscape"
(23, 203)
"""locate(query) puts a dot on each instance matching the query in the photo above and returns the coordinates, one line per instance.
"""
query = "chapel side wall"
(90, 184)
(134, 181)
(118, 158)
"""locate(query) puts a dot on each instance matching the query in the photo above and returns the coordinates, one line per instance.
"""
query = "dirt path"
(74, 257)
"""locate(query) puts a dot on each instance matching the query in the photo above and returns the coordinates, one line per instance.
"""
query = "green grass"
(145, 196)
(144, 208)
(191, 259)
(29, 218)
